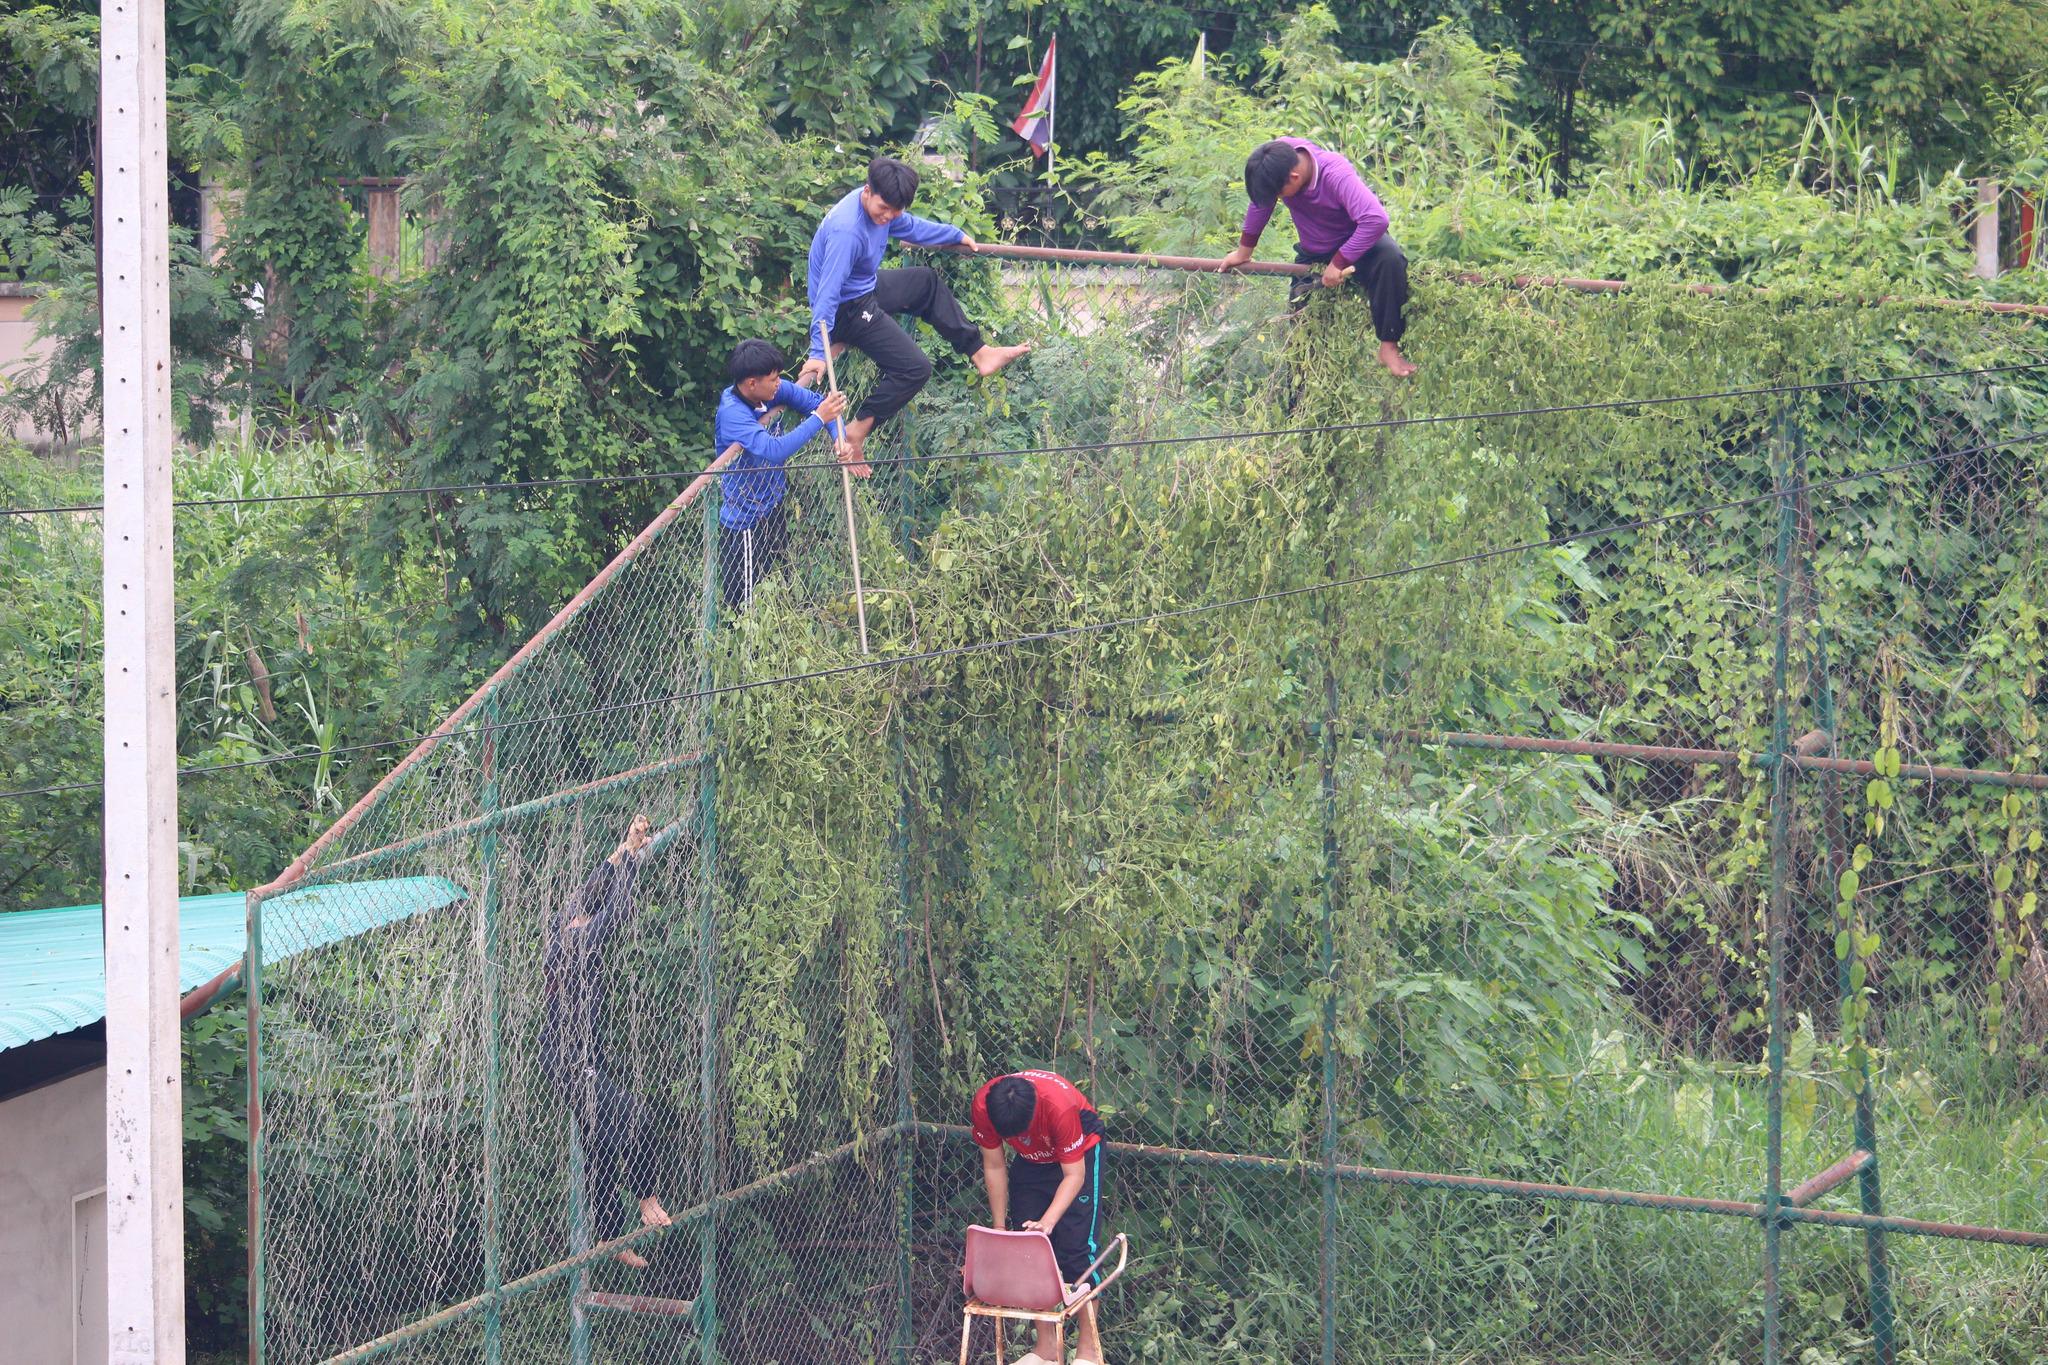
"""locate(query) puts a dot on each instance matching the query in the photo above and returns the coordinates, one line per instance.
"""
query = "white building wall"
(52, 1161)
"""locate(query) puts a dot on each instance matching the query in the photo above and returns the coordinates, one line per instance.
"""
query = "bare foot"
(852, 448)
(632, 1259)
(989, 359)
(1391, 357)
(652, 1214)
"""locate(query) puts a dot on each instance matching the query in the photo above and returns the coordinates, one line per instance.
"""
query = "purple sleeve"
(1368, 215)
(1256, 216)
(918, 231)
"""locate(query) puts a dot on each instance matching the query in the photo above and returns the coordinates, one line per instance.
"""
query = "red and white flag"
(1034, 124)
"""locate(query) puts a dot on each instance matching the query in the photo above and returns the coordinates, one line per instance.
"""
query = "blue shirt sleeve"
(828, 277)
(803, 400)
(743, 429)
(923, 231)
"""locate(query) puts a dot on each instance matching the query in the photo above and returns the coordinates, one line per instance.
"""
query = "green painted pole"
(1835, 836)
(906, 1144)
(1776, 910)
(707, 952)
(494, 995)
(906, 1059)
(252, 979)
(579, 1242)
(1331, 873)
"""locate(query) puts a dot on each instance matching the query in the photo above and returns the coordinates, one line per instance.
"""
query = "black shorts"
(1077, 1237)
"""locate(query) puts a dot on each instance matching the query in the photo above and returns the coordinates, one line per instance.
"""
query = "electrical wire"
(1083, 447)
(1097, 627)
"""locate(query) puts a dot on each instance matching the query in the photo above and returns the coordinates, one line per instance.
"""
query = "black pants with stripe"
(1382, 272)
(1077, 1237)
(868, 324)
(748, 555)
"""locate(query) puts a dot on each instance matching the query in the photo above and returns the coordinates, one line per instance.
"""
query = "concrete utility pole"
(1986, 228)
(145, 1176)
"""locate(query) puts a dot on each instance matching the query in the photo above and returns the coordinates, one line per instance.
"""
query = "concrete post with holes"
(145, 1177)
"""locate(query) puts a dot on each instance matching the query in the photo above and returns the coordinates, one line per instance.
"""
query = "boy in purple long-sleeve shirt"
(1342, 227)
(857, 299)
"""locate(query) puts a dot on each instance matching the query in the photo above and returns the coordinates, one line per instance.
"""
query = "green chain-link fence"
(1552, 885)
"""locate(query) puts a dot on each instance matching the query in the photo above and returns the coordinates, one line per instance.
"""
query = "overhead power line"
(1080, 447)
(1096, 627)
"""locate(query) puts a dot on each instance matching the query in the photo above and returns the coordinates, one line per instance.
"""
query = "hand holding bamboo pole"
(860, 603)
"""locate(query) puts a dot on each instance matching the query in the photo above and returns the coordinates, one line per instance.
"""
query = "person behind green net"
(610, 1119)
(1053, 1184)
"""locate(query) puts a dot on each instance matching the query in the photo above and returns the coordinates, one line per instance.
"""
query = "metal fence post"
(252, 988)
(1835, 839)
(1330, 874)
(707, 950)
(494, 997)
(906, 1151)
(1781, 770)
(906, 1139)
(579, 1242)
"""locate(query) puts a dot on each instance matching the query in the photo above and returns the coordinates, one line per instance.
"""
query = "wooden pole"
(860, 601)
(144, 1125)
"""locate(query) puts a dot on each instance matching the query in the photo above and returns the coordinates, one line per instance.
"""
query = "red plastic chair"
(1016, 1275)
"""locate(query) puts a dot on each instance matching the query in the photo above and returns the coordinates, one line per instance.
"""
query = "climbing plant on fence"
(1527, 869)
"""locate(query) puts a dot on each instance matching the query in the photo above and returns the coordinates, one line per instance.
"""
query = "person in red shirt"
(1052, 1185)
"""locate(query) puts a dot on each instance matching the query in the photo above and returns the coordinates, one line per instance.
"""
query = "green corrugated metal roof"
(52, 978)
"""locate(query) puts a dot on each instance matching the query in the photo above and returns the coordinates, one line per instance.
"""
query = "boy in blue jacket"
(857, 300)
(753, 515)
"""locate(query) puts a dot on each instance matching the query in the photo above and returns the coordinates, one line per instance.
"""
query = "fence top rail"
(1214, 265)
(302, 865)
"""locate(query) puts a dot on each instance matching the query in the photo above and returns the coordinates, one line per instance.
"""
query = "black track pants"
(1382, 272)
(868, 324)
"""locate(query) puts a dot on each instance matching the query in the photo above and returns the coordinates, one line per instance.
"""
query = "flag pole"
(1051, 123)
(860, 600)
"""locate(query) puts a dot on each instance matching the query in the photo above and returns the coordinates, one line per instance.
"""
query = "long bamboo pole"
(860, 601)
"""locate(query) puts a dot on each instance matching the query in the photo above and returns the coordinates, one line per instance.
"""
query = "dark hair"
(1011, 1103)
(753, 358)
(1267, 169)
(894, 181)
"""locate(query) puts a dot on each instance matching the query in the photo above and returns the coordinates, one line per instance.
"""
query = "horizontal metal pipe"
(507, 815)
(1813, 1187)
(638, 1237)
(1207, 265)
(1531, 1189)
(1925, 772)
(1728, 758)
(640, 1303)
(1916, 1227)
(1214, 264)
(1586, 748)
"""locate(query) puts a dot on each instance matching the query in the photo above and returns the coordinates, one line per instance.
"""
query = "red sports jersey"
(1062, 1127)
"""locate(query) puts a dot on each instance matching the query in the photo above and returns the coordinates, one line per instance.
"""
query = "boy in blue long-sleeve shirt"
(857, 300)
(753, 514)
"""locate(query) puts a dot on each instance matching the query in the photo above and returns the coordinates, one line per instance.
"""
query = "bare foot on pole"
(652, 1215)
(1391, 357)
(851, 449)
(990, 359)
